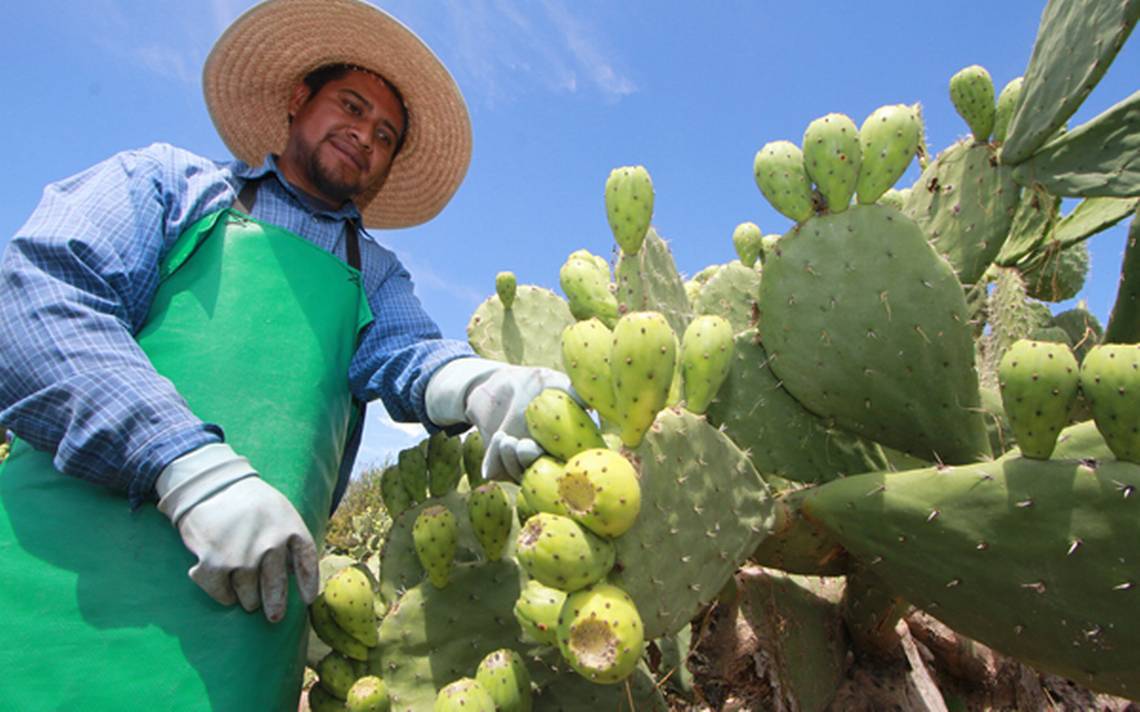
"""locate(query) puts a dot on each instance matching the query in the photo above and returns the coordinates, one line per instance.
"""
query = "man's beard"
(326, 181)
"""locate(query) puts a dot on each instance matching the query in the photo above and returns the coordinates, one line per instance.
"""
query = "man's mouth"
(348, 152)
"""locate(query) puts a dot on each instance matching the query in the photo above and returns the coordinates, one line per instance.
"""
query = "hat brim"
(253, 68)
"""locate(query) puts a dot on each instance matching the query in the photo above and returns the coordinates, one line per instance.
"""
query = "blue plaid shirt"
(77, 281)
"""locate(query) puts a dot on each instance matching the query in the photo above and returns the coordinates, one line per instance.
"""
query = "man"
(341, 119)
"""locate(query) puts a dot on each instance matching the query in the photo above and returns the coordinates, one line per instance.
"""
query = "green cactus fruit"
(539, 485)
(327, 629)
(393, 493)
(893, 199)
(600, 633)
(537, 610)
(629, 206)
(336, 674)
(972, 92)
(464, 695)
(321, 700)
(706, 356)
(586, 359)
(435, 534)
(561, 553)
(601, 492)
(587, 283)
(489, 508)
(780, 175)
(504, 676)
(473, 451)
(769, 245)
(642, 362)
(1110, 380)
(889, 139)
(1039, 381)
(560, 425)
(506, 286)
(412, 463)
(368, 694)
(746, 240)
(349, 596)
(444, 463)
(832, 158)
(1006, 104)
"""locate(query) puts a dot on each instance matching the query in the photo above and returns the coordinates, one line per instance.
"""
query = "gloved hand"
(246, 534)
(493, 397)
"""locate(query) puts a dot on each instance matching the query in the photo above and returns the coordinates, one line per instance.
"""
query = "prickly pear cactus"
(562, 554)
(696, 527)
(1033, 558)
(600, 491)
(528, 333)
(586, 349)
(746, 239)
(648, 281)
(586, 282)
(464, 695)
(506, 287)
(706, 356)
(560, 425)
(781, 437)
(1039, 383)
(600, 633)
(780, 175)
(965, 202)
(642, 360)
(435, 533)
(731, 293)
(629, 206)
(972, 92)
(505, 678)
(888, 140)
(1110, 380)
(491, 515)
(832, 157)
(864, 323)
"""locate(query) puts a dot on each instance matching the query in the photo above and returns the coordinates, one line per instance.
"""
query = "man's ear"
(298, 98)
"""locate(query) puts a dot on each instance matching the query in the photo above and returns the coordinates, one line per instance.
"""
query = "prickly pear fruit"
(629, 206)
(746, 240)
(336, 674)
(894, 198)
(560, 552)
(587, 283)
(321, 700)
(1006, 104)
(1038, 382)
(586, 359)
(780, 175)
(504, 676)
(600, 633)
(473, 451)
(889, 138)
(464, 695)
(560, 425)
(350, 600)
(489, 508)
(392, 492)
(368, 694)
(331, 633)
(444, 463)
(537, 610)
(601, 492)
(768, 245)
(540, 486)
(412, 463)
(972, 92)
(435, 535)
(706, 356)
(642, 361)
(506, 286)
(832, 157)
(1110, 380)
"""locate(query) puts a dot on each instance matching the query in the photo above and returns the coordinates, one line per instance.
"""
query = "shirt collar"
(346, 212)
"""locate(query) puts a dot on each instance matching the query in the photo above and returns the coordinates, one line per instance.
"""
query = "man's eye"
(351, 107)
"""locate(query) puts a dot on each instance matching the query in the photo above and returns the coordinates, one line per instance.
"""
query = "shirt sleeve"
(400, 350)
(76, 283)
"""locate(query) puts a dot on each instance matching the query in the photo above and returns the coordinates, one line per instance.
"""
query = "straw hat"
(254, 66)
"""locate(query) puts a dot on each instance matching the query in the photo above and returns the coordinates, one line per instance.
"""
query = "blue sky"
(560, 92)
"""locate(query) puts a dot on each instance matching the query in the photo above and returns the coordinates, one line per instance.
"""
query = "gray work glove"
(247, 535)
(493, 397)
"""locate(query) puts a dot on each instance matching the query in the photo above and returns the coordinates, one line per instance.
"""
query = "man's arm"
(401, 349)
(77, 281)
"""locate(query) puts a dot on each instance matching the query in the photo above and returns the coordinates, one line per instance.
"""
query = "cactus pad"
(527, 334)
(731, 293)
(865, 324)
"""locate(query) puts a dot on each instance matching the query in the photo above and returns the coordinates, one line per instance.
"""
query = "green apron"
(256, 327)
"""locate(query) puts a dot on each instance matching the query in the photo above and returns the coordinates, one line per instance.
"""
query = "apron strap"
(248, 196)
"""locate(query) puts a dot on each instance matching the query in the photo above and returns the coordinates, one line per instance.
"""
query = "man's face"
(342, 139)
